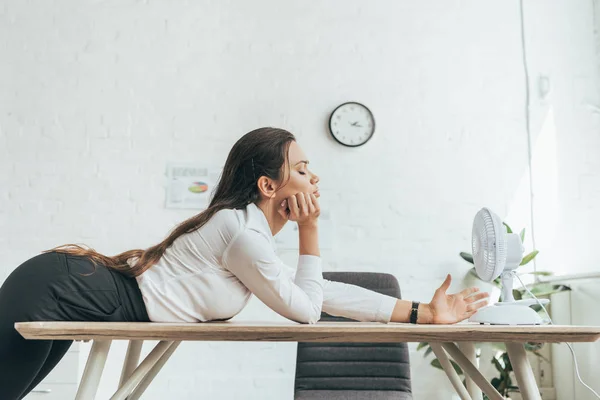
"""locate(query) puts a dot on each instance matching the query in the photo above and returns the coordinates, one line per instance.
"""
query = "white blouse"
(210, 274)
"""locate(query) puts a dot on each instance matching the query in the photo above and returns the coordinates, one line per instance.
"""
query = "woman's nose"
(315, 179)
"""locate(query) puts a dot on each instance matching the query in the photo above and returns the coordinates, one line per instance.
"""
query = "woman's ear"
(266, 186)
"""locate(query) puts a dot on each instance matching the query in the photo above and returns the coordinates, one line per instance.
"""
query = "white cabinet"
(576, 307)
(53, 391)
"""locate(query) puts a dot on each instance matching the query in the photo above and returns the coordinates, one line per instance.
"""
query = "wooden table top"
(319, 332)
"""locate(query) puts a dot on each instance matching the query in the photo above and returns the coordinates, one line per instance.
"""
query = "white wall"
(565, 133)
(96, 98)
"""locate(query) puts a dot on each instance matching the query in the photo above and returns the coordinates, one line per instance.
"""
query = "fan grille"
(489, 245)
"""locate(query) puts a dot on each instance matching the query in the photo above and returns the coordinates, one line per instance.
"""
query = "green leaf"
(466, 256)
(457, 368)
(497, 364)
(507, 364)
(537, 309)
(541, 273)
(507, 227)
(533, 346)
(496, 382)
(421, 345)
(436, 363)
(522, 234)
(428, 352)
(540, 311)
(529, 257)
(517, 294)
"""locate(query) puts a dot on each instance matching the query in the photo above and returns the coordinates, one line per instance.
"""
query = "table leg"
(468, 349)
(440, 353)
(472, 371)
(523, 372)
(141, 387)
(132, 358)
(93, 370)
(141, 371)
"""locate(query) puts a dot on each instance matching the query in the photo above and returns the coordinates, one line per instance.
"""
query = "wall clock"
(352, 124)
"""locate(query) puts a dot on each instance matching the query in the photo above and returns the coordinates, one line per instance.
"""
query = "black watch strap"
(414, 312)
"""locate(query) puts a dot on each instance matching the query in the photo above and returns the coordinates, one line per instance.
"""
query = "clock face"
(352, 124)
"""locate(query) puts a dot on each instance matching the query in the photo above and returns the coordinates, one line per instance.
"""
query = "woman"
(205, 270)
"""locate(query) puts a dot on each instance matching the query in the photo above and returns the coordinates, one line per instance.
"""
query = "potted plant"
(504, 383)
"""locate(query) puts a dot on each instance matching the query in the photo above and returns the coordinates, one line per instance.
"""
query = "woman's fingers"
(476, 297)
(445, 284)
(311, 205)
(303, 207)
(315, 203)
(469, 291)
(476, 306)
(282, 209)
(294, 208)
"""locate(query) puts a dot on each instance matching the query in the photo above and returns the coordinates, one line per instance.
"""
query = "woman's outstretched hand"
(452, 308)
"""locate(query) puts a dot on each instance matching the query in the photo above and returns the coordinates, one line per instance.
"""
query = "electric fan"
(495, 253)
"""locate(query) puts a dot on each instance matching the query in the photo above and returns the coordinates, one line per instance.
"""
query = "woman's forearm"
(309, 245)
(309, 239)
(401, 312)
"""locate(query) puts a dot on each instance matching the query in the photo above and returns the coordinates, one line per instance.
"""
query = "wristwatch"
(414, 312)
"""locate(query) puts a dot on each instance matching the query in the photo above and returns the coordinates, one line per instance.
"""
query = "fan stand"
(509, 311)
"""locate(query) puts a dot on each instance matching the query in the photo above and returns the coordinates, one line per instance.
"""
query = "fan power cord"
(549, 321)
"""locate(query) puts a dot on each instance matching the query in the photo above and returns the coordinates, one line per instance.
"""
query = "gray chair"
(354, 371)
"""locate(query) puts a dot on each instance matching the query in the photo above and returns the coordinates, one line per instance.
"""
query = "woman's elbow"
(306, 321)
(311, 317)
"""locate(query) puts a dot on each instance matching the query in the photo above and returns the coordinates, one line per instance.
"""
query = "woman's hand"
(302, 208)
(452, 308)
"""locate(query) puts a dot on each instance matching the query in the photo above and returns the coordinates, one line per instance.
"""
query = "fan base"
(507, 315)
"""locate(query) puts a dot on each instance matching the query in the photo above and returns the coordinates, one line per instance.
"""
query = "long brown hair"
(261, 152)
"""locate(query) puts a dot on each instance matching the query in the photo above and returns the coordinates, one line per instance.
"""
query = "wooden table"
(455, 341)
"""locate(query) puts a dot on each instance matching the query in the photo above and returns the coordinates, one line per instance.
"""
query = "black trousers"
(56, 287)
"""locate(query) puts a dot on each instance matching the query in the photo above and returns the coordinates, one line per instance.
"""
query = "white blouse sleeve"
(254, 262)
(355, 302)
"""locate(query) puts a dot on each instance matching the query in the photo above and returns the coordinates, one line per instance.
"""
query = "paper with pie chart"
(190, 186)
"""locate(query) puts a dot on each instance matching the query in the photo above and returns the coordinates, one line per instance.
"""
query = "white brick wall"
(96, 98)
